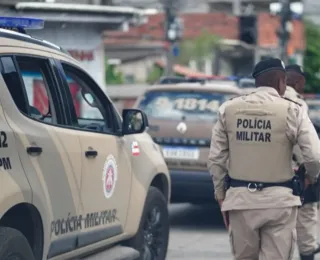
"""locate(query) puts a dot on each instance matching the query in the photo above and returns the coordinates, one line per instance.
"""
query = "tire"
(157, 245)
(14, 246)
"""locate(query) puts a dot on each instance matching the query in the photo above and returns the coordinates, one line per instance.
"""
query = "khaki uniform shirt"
(292, 94)
(299, 130)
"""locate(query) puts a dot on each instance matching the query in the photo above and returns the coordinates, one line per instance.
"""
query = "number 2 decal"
(3, 140)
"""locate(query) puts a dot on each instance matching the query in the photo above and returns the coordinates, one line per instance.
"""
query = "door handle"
(91, 153)
(34, 150)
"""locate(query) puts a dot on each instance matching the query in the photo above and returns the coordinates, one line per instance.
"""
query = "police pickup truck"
(74, 185)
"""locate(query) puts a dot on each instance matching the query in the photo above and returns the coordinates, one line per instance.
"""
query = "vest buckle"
(252, 187)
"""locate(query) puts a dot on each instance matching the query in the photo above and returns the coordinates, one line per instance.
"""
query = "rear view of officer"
(307, 220)
(250, 162)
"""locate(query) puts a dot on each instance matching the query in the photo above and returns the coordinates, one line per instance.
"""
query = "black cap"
(296, 68)
(267, 65)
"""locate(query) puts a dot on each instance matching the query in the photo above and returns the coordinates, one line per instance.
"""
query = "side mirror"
(135, 121)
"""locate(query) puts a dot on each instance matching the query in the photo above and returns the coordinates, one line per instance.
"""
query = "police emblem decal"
(182, 127)
(109, 176)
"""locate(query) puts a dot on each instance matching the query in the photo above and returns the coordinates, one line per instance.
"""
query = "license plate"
(181, 153)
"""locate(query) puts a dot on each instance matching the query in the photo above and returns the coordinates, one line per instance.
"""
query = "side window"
(33, 75)
(12, 80)
(29, 88)
(90, 112)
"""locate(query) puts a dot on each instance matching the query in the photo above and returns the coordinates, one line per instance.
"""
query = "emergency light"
(20, 23)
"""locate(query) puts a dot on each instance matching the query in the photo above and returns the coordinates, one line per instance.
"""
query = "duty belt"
(254, 186)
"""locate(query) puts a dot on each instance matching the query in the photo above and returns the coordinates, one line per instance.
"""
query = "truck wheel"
(14, 246)
(152, 237)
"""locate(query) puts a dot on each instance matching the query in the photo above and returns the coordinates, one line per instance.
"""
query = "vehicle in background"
(181, 117)
(247, 85)
(202, 80)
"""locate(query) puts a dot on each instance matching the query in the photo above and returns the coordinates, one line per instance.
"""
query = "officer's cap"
(267, 65)
(296, 68)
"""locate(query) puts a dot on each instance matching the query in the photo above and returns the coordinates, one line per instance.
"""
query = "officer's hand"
(225, 215)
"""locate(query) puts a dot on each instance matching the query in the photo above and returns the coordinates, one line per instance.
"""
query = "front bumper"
(191, 186)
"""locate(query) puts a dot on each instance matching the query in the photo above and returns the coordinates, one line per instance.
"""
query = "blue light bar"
(21, 22)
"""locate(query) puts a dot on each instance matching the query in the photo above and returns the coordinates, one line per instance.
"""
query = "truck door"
(106, 171)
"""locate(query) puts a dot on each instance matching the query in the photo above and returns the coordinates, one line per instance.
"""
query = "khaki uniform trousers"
(264, 234)
(307, 228)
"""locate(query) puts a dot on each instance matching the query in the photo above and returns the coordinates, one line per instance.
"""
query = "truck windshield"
(180, 104)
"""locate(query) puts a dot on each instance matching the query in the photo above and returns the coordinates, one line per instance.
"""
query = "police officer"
(252, 144)
(308, 214)
(295, 84)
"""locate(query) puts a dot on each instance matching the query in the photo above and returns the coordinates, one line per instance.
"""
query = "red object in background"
(40, 97)
(82, 55)
(74, 88)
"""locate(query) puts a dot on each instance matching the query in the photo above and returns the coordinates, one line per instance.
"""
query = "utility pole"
(169, 16)
(173, 31)
(284, 32)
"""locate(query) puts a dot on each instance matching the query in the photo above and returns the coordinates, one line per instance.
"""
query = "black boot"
(307, 257)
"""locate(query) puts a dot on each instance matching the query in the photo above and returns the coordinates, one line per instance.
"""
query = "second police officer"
(250, 162)
(307, 220)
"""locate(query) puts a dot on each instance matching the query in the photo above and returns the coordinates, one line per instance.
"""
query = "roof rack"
(179, 79)
(174, 80)
(246, 82)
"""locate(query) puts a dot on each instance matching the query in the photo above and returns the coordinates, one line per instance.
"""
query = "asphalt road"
(197, 232)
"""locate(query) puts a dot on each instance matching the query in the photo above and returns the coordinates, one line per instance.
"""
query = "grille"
(182, 141)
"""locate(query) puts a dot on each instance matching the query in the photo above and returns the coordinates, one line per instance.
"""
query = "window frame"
(111, 119)
(54, 95)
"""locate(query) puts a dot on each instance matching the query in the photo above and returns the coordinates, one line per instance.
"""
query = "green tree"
(111, 76)
(199, 48)
(155, 74)
(312, 57)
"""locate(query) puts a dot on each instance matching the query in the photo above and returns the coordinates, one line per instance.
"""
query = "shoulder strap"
(292, 101)
(242, 95)
(300, 96)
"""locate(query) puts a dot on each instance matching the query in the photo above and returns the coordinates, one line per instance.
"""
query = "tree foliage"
(155, 74)
(112, 76)
(312, 57)
(199, 48)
